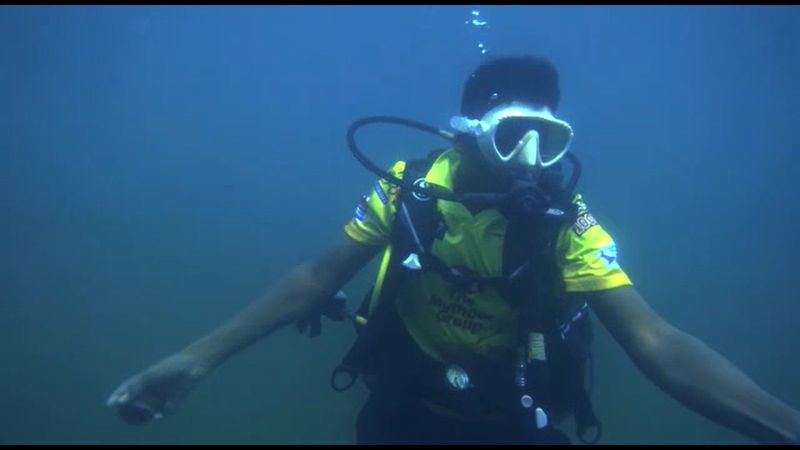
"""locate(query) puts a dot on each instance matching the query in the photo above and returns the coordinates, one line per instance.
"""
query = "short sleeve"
(374, 215)
(589, 259)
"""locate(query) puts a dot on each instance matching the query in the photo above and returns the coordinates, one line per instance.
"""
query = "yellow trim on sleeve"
(362, 235)
(595, 283)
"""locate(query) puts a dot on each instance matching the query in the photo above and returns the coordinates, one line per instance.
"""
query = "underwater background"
(161, 166)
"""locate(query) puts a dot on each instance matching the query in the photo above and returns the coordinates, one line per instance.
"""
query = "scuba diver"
(478, 326)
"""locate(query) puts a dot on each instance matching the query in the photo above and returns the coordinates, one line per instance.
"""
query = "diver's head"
(507, 109)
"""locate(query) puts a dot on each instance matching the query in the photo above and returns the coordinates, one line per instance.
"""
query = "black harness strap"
(408, 237)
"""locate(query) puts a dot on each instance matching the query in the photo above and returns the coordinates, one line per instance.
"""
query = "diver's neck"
(475, 177)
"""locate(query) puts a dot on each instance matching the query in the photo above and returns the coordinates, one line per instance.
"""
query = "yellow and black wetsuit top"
(447, 323)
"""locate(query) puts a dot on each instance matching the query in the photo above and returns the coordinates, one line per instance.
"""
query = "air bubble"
(476, 22)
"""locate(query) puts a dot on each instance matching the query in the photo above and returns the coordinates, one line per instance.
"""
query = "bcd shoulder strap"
(409, 236)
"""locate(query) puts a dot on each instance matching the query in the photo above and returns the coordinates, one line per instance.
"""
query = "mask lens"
(512, 129)
(554, 139)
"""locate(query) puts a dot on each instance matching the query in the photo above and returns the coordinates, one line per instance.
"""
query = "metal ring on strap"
(343, 370)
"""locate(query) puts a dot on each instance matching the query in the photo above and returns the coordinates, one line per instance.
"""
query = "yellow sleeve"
(589, 255)
(374, 215)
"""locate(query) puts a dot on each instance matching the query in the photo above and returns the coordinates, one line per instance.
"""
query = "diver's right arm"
(302, 290)
(160, 388)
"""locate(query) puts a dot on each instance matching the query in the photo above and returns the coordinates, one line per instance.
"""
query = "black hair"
(531, 79)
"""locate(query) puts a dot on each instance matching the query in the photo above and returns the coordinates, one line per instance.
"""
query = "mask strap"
(464, 124)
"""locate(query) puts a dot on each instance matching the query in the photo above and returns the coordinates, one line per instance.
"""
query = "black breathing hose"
(351, 141)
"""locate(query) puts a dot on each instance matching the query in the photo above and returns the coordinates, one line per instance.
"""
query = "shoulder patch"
(583, 223)
(608, 254)
(380, 193)
(361, 209)
(578, 201)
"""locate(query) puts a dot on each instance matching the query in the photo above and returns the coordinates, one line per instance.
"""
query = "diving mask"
(518, 135)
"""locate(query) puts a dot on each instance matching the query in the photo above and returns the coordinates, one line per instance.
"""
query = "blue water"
(162, 166)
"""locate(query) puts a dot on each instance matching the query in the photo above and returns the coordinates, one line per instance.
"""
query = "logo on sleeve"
(580, 204)
(583, 223)
(361, 210)
(608, 254)
(380, 193)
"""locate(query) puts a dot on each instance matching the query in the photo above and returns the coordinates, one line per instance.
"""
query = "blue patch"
(581, 206)
(360, 213)
(381, 194)
(608, 254)
(361, 210)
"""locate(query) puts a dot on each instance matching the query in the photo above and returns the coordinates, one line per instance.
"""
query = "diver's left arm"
(691, 372)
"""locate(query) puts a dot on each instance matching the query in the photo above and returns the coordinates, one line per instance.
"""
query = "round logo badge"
(422, 184)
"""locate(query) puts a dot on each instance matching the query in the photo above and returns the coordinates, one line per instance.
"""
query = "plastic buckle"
(412, 262)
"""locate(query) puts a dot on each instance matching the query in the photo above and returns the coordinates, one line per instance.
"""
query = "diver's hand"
(334, 309)
(156, 392)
